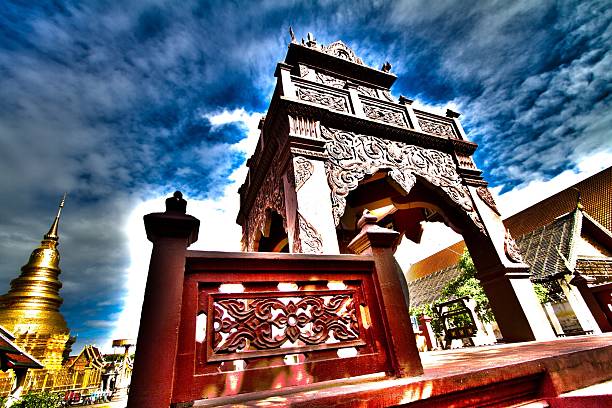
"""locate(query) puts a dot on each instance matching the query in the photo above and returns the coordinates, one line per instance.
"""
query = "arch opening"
(272, 237)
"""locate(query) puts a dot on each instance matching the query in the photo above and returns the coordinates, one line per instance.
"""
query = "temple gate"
(335, 143)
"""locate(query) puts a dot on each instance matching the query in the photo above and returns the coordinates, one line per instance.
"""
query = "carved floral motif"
(353, 156)
(267, 323)
(341, 50)
(436, 128)
(367, 91)
(511, 249)
(310, 240)
(331, 101)
(384, 115)
(330, 80)
(303, 70)
(303, 169)
(485, 195)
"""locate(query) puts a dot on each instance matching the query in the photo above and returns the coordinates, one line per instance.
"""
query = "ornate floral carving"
(436, 128)
(341, 50)
(303, 169)
(330, 80)
(511, 249)
(303, 70)
(332, 101)
(271, 196)
(248, 324)
(353, 156)
(485, 195)
(367, 91)
(385, 115)
(310, 240)
(388, 96)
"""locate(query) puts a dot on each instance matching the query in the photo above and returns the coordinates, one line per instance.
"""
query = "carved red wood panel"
(264, 338)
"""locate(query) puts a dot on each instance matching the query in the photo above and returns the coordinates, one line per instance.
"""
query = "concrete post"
(430, 337)
(591, 309)
(171, 233)
(379, 243)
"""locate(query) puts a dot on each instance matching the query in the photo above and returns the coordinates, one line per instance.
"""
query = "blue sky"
(122, 102)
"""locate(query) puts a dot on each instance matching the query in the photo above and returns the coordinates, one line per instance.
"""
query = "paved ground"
(569, 364)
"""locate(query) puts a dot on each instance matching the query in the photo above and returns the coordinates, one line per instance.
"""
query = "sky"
(121, 103)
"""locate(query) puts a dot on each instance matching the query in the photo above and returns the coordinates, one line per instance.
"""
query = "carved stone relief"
(303, 70)
(251, 324)
(388, 96)
(367, 91)
(511, 249)
(384, 115)
(330, 80)
(302, 126)
(436, 128)
(485, 195)
(465, 161)
(341, 50)
(353, 156)
(271, 196)
(303, 169)
(334, 102)
(310, 240)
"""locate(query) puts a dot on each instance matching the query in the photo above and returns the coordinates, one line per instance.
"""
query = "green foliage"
(39, 400)
(541, 292)
(465, 284)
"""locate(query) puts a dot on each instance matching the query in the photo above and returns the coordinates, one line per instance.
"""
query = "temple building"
(30, 309)
(30, 313)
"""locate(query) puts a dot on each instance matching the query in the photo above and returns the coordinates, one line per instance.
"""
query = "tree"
(465, 284)
(39, 400)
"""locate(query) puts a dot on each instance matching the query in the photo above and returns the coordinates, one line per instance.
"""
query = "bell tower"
(334, 143)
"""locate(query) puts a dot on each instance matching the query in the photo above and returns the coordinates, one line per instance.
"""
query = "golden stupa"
(30, 309)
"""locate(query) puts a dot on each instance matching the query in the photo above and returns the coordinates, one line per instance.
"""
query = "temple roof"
(339, 58)
(11, 356)
(428, 289)
(595, 193)
(547, 249)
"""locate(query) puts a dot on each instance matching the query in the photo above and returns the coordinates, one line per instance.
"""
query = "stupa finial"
(53, 231)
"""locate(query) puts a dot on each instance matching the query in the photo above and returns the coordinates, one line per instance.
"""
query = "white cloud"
(218, 228)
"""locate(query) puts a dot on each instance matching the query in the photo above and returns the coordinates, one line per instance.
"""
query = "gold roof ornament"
(33, 301)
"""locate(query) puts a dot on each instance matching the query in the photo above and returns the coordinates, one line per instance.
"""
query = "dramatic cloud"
(121, 103)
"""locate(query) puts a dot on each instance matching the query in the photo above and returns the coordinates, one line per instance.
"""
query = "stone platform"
(525, 374)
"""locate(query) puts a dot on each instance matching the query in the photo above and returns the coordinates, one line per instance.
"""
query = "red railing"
(291, 320)
(219, 324)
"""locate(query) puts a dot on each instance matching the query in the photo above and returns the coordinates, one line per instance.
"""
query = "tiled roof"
(598, 268)
(12, 355)
(429, 288)
(547, 249)
(595, 193)
(440, 260)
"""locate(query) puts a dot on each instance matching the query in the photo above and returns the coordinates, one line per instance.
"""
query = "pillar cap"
(372, 235)
(173, 223)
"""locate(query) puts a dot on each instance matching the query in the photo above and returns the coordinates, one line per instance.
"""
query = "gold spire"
(53, 234)
(32, 304)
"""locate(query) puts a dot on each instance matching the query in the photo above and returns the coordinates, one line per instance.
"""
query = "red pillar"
(171, 233)
(379, 243)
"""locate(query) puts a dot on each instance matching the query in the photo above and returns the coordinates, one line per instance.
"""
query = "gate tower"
(334, 142)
